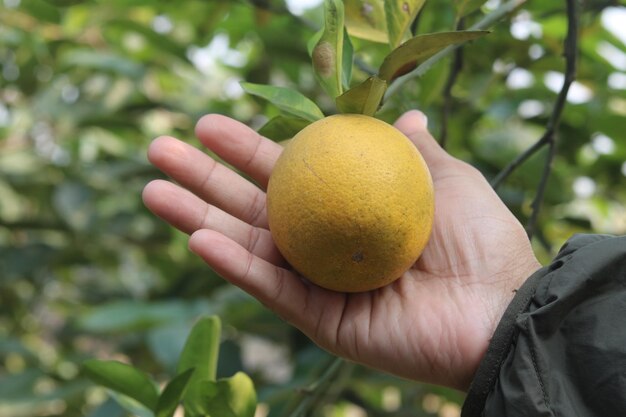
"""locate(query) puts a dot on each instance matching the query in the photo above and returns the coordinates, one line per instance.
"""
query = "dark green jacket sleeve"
(560, 348)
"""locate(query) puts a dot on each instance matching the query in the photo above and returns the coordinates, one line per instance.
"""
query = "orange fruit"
(350, 203)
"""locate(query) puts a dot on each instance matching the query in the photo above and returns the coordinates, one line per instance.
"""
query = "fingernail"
(424, 119)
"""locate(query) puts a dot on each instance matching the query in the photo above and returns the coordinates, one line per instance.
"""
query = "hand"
(433, 324)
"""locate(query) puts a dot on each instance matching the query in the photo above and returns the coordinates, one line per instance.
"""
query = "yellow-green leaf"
(418, 49)
(288, 100)
(327, 54)
(283, 127)
(399, 15)
(365, 19)
(229, 397)
(364, 98)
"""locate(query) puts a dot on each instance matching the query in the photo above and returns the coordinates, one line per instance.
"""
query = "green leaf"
(41, 10)
(365, 98)
(28, 260)
(400, 14)
(134, 315)
(166, 343)
(230, 397)
(347, 58)
(135, 408)
(347, 61)
(313, 40)
(418, 49)
(365, 19)
(433, 82)
(172, 394)
(328, 52)
(200, 353)
(73, 201)
(12, 386)
(283, 127)
(109, 408)
(123, 379)
(102, 61)
(162, 42)
(465, 7)
(286, 99)
(64, 3)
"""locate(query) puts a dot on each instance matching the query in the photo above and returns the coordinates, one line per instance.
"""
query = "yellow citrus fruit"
(350, 203)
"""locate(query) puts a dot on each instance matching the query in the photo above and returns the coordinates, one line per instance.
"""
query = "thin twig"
(33, 225)
(364, 66)
(485, 23)
(314, 392)
(520, 159)
(455, 69)
(570, 51)
(536, 204)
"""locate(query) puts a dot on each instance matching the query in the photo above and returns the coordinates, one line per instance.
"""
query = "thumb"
(414, 125)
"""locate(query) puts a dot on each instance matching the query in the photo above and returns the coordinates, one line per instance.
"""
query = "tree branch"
(570, 51)
(520, 159)
(34, 225)
(455, 69)
(547, 169)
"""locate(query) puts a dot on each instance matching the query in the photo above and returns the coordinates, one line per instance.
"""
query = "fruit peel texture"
(350, 203)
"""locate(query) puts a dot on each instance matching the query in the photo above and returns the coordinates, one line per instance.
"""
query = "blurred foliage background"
(86, 271)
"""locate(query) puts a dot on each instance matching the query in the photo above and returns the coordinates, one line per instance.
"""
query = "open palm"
(433, 324)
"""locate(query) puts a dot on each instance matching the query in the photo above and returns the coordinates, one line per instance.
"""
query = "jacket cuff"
(499, 346)
(507, 330)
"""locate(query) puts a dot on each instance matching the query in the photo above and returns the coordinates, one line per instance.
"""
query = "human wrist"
(505, 294)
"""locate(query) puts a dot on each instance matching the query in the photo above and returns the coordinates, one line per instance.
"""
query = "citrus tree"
(95, 292)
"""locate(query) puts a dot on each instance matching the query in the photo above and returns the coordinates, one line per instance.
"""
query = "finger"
(277, 288)
(209, 180)
(239, 145)
(414, 125)
(188, 213)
